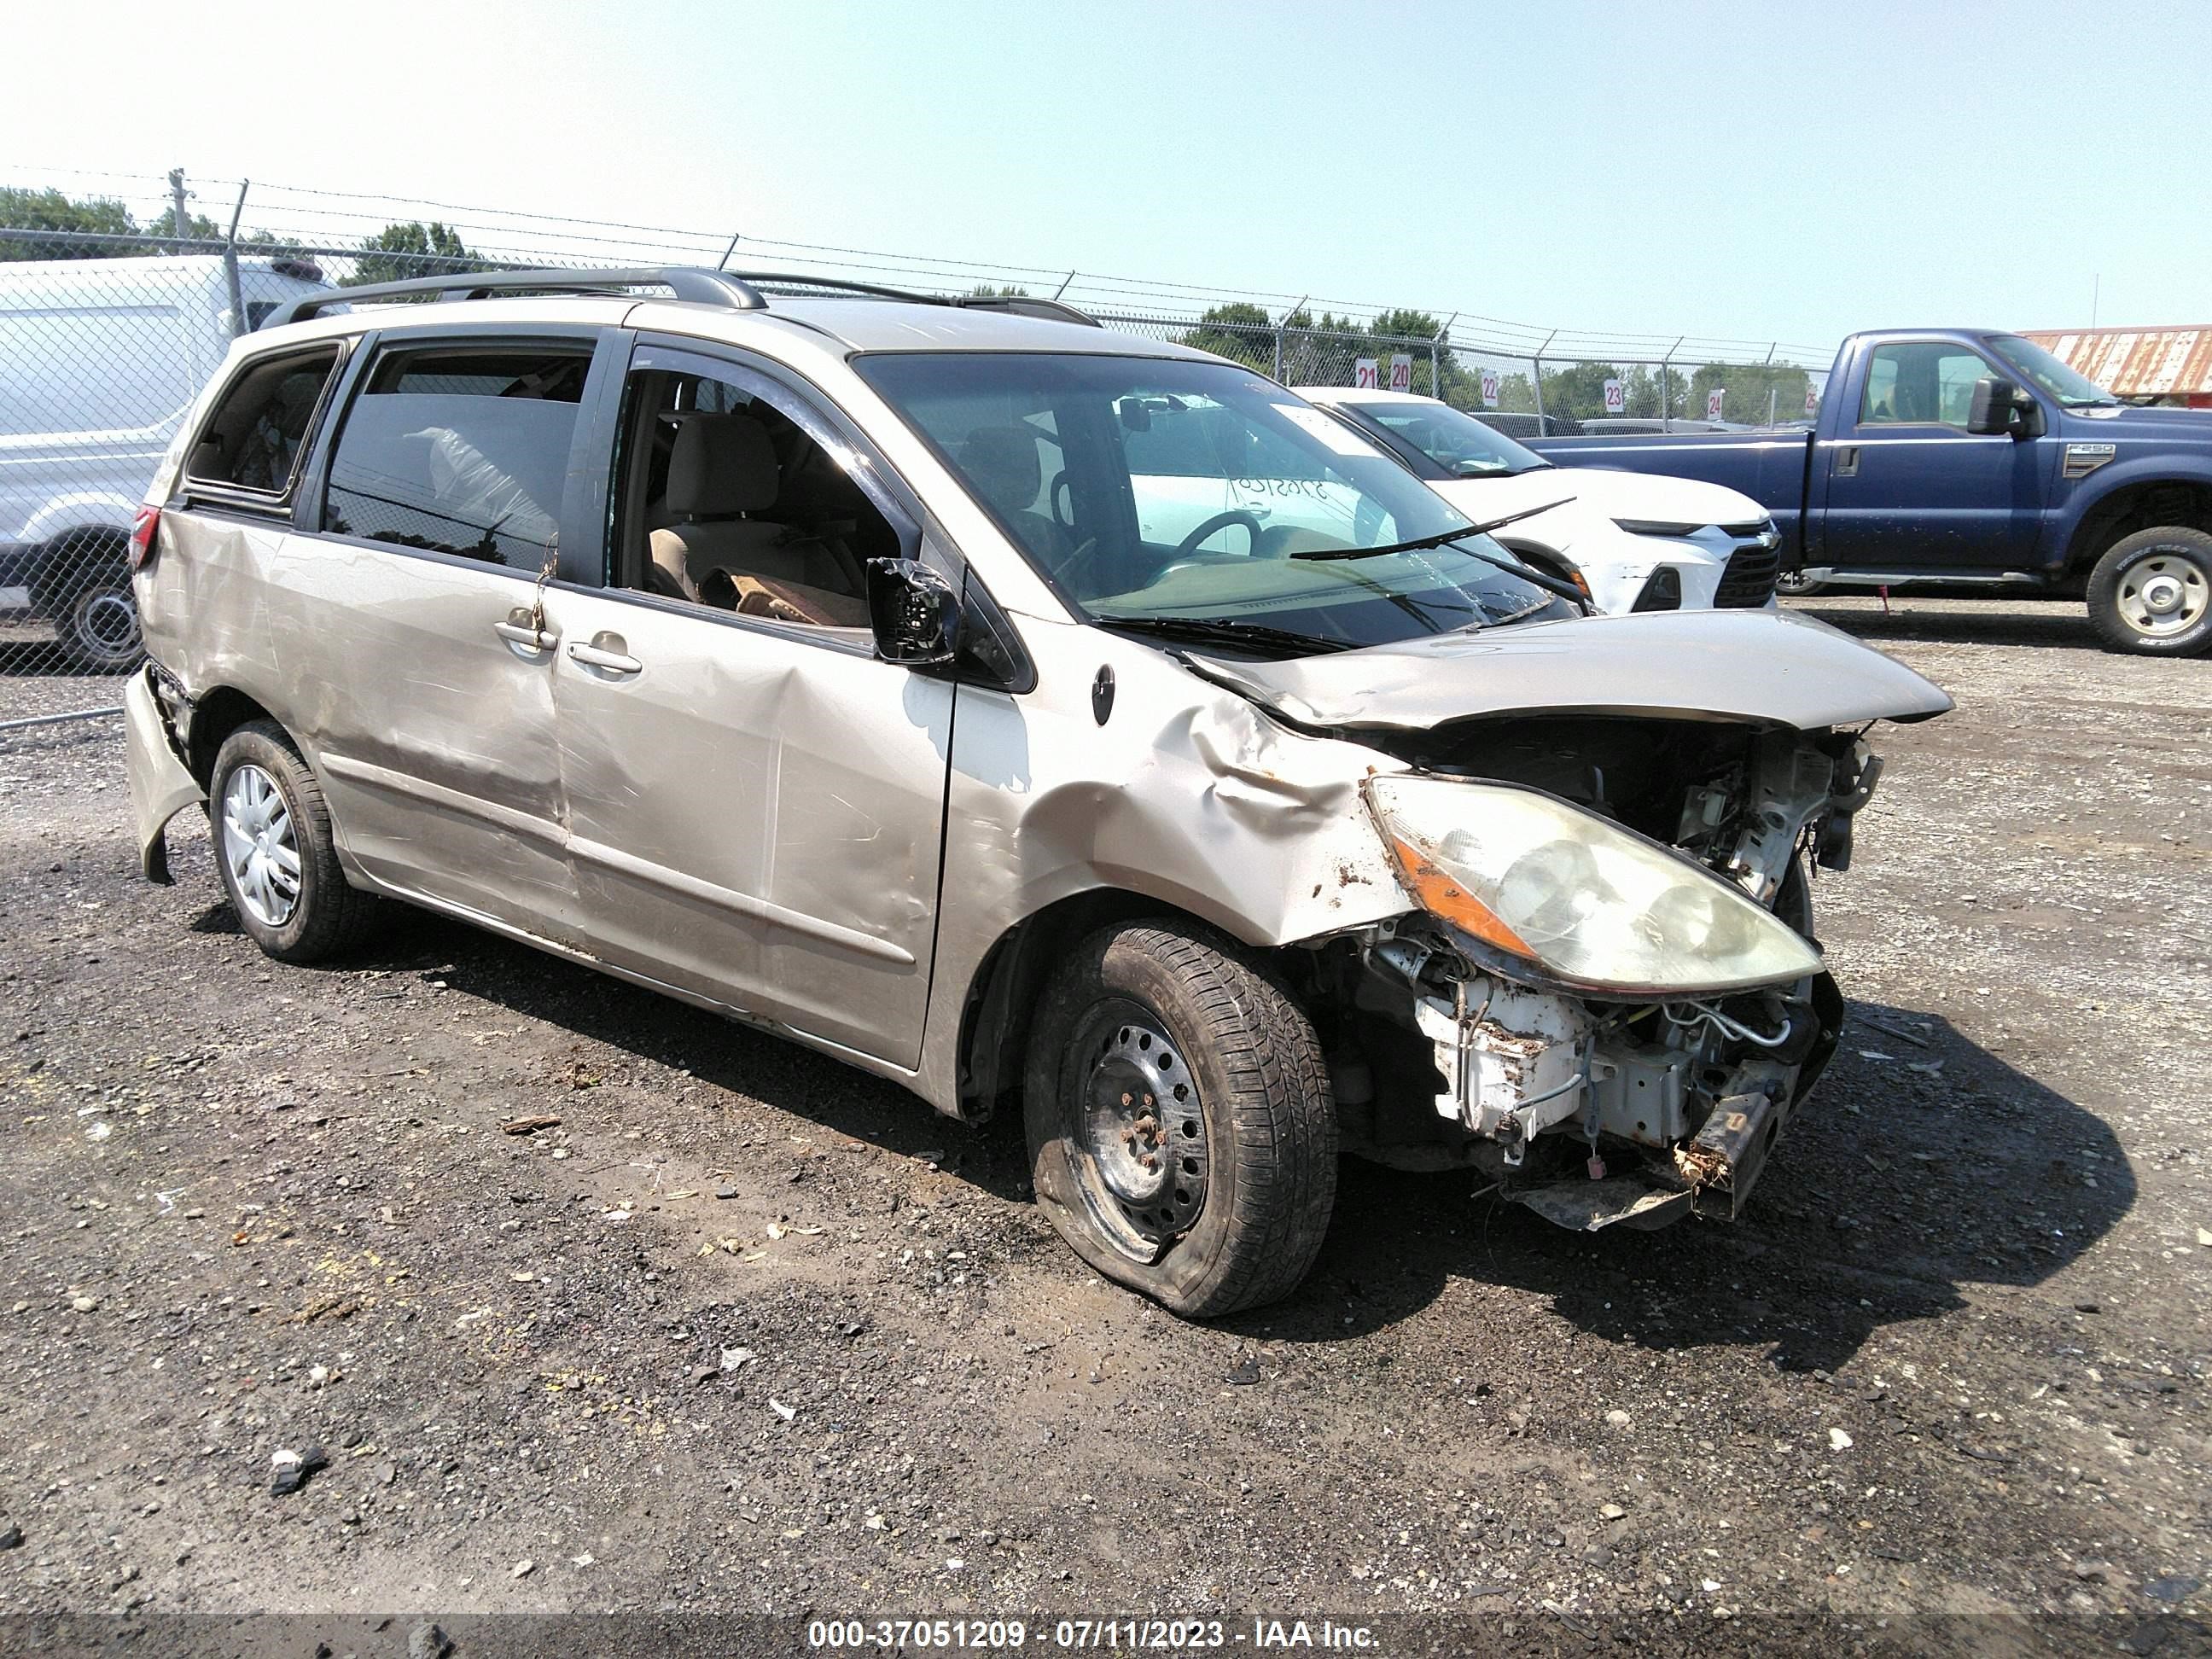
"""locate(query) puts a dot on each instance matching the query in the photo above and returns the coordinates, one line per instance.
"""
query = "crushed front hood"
(1771, 666)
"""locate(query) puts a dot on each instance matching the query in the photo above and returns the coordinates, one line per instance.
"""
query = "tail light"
(141, 535)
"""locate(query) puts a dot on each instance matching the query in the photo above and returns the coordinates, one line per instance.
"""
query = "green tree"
(1239, 331)
(1578, 389)
(1749, 391)
(414, 249)
(1403, 329)
(985, 291)
(51, 210)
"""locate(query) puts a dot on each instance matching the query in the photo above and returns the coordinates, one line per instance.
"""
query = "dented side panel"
(1187, 794)
(433, 736)
(755, 818)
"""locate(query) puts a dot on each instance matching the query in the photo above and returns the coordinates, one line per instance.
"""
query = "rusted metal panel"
(2137, 362)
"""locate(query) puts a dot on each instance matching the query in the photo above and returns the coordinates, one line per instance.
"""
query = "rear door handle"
(609, 662)
(1847, 461)
(523, 635)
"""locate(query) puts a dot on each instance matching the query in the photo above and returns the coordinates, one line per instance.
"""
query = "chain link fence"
(115, 310)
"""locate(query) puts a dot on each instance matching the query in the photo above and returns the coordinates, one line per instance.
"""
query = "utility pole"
(230, 264)
(1279, 328)
(180, 222)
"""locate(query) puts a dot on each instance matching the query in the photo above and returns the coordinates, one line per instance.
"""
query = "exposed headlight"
(1587, 901)
(1656, 527)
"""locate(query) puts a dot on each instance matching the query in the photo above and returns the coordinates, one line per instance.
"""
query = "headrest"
(721, 463)
(1002, 461)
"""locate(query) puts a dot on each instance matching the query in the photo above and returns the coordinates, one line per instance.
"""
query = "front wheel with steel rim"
(274, 851)
(2151, 594)
(1795, 585)
(1182, 1136)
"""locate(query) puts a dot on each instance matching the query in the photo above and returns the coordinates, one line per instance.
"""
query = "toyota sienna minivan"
(819, 659)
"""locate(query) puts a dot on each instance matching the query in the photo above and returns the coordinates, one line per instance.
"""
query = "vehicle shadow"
(758, 1064)
(2055, 622)
(1920, 1163)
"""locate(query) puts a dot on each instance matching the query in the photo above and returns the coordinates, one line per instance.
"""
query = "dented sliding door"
(754, 814)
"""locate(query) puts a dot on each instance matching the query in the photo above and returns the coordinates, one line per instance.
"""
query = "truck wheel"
(1791, 585)
(2151, 594)
(273, 847)
(99, 626)
(1182, 1135)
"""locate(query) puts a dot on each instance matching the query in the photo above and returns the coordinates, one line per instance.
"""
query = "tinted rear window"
(461, 452)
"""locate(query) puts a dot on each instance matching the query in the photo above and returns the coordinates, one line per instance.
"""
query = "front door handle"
(524, 635)
(606, 661)
(1847, 461)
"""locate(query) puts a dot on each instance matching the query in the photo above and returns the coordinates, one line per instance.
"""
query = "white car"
(1637, 543)
(99, 360)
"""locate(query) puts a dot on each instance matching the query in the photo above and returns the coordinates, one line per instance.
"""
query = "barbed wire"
(500, 233)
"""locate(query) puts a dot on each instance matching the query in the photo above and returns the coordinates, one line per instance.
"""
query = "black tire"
(1790, 585)
(98, 625)
(1269, 1143)
(328, 917)
(2122, 592)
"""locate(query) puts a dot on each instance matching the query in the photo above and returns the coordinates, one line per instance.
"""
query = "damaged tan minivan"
(1043, 717)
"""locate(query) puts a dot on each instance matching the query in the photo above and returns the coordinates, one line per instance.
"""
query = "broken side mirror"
(914, 613)
(1999, 408)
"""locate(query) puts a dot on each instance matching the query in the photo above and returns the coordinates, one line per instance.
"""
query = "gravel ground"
(746, 1331)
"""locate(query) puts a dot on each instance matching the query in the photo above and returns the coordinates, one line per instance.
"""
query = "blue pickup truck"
(1955, 455)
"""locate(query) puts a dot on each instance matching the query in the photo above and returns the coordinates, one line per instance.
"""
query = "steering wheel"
(1218, 522)
(1065, 521)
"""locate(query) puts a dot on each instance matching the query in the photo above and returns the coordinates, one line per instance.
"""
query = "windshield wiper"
(1439, 539)
(1226, 630)
(1550, 584)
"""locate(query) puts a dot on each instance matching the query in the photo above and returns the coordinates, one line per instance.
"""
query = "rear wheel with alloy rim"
(1182, 1135)
(2151, 594)
(273, 852)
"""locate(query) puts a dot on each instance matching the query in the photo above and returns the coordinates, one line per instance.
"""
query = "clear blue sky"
(1753, 171)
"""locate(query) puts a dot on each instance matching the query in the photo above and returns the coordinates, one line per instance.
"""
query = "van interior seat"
(1002, 462)
(722, 470)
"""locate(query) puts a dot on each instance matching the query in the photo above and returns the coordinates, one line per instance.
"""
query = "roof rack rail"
(1021, 304)
(693, 282)
(732, 289)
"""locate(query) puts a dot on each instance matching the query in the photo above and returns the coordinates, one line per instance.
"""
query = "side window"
(253, 438)
(724, 499)
(1920, 384)
(459, 450)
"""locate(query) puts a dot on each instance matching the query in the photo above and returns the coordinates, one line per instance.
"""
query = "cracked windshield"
(1197, 500)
